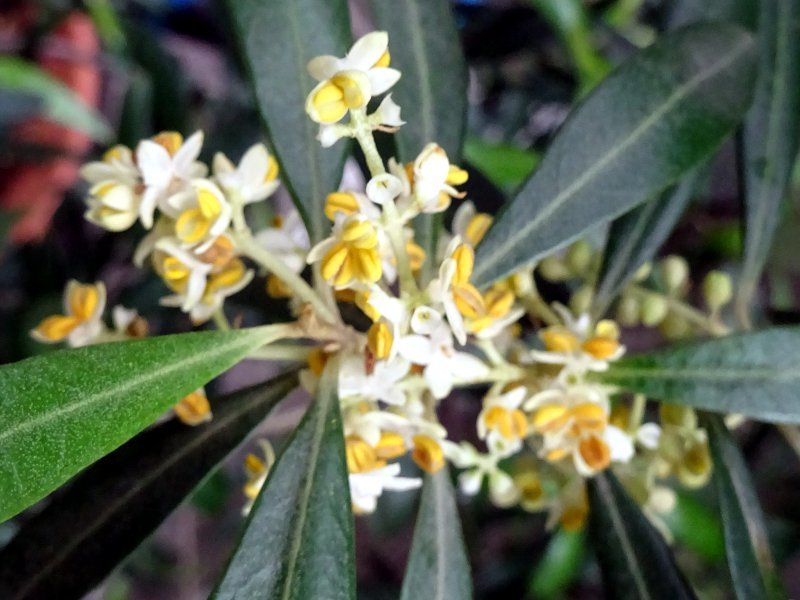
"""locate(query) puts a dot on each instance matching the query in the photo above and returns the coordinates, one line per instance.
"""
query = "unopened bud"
(579, 257)
(654, 309)
(628, 310)
(675, 327)
(674, 273)
(581, 300)
(553, 269)
(717, 289)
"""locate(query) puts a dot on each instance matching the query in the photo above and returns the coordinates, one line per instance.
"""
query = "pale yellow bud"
(674, 272)
(628, 311)
(581, 300)
(654, 309)
(675, 327)
(553, 268)
(579, 257)
(717, 289)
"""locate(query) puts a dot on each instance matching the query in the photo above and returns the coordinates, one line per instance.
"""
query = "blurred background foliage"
(76, 76)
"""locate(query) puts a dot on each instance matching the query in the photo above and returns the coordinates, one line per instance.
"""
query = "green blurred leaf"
(61, 411)
(432, 93)
(635, 237)
(60, 104)
(697, 527)
(635, 561)
(754, 374)
(749, 556)
(559, 566)
(570, 20)
(438, 566)
(277, 39)
(685, 12)
(770, 139)
(78, 539)
(656, 117)
(298, 541)
(504, 164)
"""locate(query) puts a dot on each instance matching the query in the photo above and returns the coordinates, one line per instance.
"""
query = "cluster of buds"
(545, 425)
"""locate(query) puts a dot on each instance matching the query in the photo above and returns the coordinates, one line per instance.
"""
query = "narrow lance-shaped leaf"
(59, 103)
(277, 39)
(78, 539)
(749, 556)
(753, 374)
(438, 566)
(298, 541)
(635, 238)
(656, 117)
(62, 411)
(636, 562)
(770, 138)
(432, 93)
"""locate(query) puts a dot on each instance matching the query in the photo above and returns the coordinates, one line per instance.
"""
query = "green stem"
(682, 309)
(363, 134)
(637, 412)
(220, 320)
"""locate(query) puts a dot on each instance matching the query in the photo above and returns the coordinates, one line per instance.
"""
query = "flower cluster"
(418, 327)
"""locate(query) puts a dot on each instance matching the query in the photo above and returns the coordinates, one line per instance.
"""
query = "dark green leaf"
(635, 238)
(60, 104)
(559, 566)
(505, 165)
(754, 374)
(656, 117)
(109, 509)
(685, 12)
(770, 138)
(636, 562)
(277, 39)
(438, 567)
(62, 411)
(696, 526)
(749, 557)
(298, 541)
(432, 92)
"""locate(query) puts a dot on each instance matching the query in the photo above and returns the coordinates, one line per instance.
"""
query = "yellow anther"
(550, 417)
(56, 328)
(477, 228)
(361, 456)
(328, 102)
(276, 288)
(333, 260)
(82, 300)
(530, 488)
(344, 202)
(361, 300)
(427, 453)
(254, 466)
(464, 256)
(416, 255)
(317, 359)
(277, 221)
(620, 416)
(172, 269)
(677, 415)
(559, 339)
(574, 517)
(595, 453)
(498, 302)
(192, 226)
(210, 206)
(697, 459)
(391, 445)
(556, 454)
(103, 188)
(384, 60)
(588, 416)
(468, 301)
(272, 169)
(456, 176)
(607, 328)
(193, 409)
(115, 152)
(510, 423)
(601, 348)
(380, 340)
(351, 87)
(170, 140)
(361, 234)
(232, 274)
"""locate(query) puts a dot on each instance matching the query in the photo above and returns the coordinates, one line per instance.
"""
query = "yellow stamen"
(595, 453)
(574, 517)
(601, 348)
(272, 169)
(193, 409)
(83, 299)
(254, 466)
(113, 153)
(344, 202)
(56, 328)
(456, 176)
(276, 288)
(391, 445)
(559, 339)
(317, 359)
(468, 301)
(170, 140)
(416, 255)
(219, 253)
(361, 456)
(328, 102)
(192, 226)
(232, 274)
(510, 423)
(380, 340)
(464, 256)
(384, 60)
(427, 454)
(550, 417)
(477, 228)
(352, 93)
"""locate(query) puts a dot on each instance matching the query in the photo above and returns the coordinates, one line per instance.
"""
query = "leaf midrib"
(618, 148)
(789, 373)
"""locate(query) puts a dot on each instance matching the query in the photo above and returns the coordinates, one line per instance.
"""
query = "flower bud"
(579, 257)
(553, 269)
(717, 289)
(674, 273)
(581, 300)
(643, 272)
(654, 309)
(675, 327)
(628, 310)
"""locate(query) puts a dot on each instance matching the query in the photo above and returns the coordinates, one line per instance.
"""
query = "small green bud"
(675, 327)
(579, 257)
(677, 415)
(654, 309)
(553, 269)
(717, 289)
(581, 300)
(628, 310)
(674, 273)
(643, 272)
